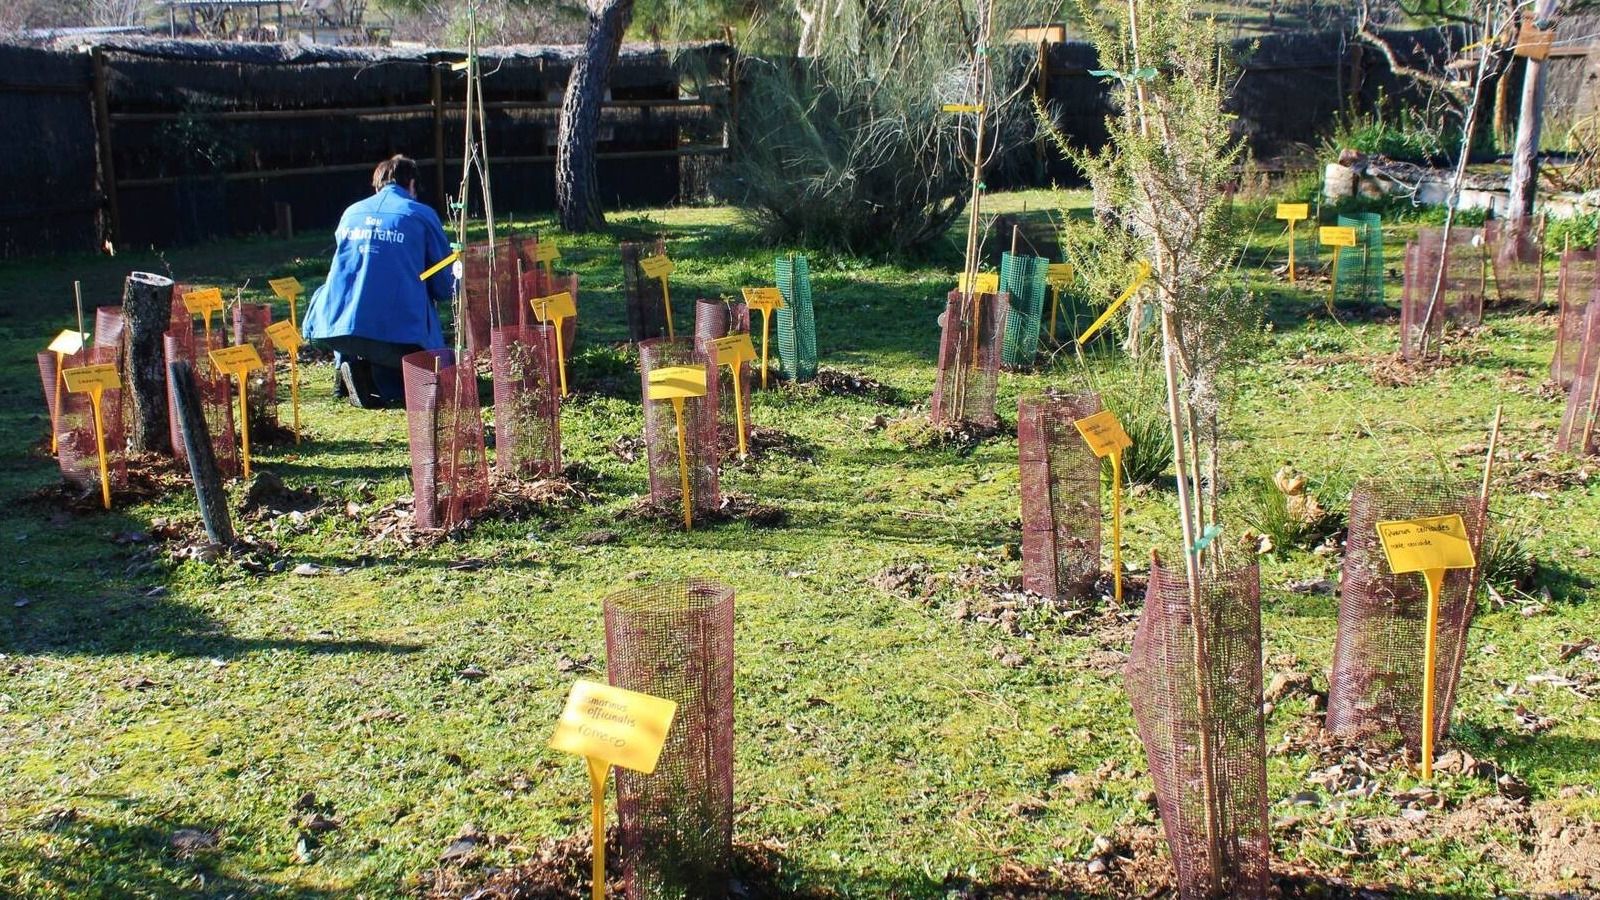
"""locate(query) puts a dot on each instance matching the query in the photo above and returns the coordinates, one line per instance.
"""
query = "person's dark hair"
(397, 169)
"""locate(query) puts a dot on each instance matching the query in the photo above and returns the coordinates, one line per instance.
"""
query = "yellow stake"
(738, 412)
(666, 298)
(244, 419)
(561, 359)
(598, 771)
(100, 447)
(766, 332)
(1435, 581)
(61, 359)
(1055, 305)
(294, 392)
(1333, 290)
(683, 465)
(1116, 527)
(1291, 251)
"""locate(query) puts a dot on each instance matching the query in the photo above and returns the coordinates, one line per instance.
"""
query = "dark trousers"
(383, 358)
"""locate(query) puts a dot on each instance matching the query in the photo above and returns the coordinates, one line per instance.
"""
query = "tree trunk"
(202, 460)
(577, 191)
(147, 309)
(1530, 121)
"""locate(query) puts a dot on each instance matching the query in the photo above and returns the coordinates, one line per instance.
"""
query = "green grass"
(882, 744)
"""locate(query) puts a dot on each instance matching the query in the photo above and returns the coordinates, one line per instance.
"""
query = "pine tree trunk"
(577, 191)
(147, 308)
(1525, 155)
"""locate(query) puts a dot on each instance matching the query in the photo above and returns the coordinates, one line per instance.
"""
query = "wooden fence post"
(438, 138)
(108, 169)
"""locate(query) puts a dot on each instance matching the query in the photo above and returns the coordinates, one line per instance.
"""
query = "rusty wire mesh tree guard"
(1060, 496)
(971, 343)
(1375, 690)
(1576, 282)
(646, 305)
(1516, 250)
(703, 453)
(489, 292)
(674, 640)
(449, 474)
(714, 319)
(1578, 421)
(1460, 296)
(250, 321)
(527, 401)
(216, 397)
(1195, 683)
(77, 452)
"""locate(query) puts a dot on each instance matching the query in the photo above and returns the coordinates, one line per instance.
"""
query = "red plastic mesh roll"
(674, 640)
(55, 390)
(250, 321)
(1575, 285)
(489, 292)
(661, 431)
(1376, 686)
(527, 402)
(77, 453)
(969, 369)
(536, 283)
(109, 327)
(1060, 496)
(714, 319)
(216, 400)
(646, 306)
(1577, 434)
(1195, 683)
(1517, 250)
(449, 473)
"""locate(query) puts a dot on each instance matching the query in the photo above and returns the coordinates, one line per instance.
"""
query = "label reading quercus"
(1103, 433)
(1430, 543)
(616, 726)
(554, 307)
(241, 358)
(104, 377)
(763, 298)
(284, 336)
(1336, 236)
(732, 350)
(203, 302)
(656, 266)
(286, 288)
(677, 382)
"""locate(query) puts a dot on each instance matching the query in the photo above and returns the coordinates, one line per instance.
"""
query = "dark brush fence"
(165, 142)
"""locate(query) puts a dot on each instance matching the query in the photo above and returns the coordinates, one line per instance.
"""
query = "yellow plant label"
(1294, 212)
(239, 359)
(102, 377)
(1336, 236)
(1434, 542)
(677, 382)
(617, 727)
(554, 307)
(963, 107)
(986, 283)
(67, 343)
(203, 302)
(1103, 433)
(1059, 275)
(732, 350)
(656, 266)
(286, 288)
(284, 336)
(546, 252)
(765, 299)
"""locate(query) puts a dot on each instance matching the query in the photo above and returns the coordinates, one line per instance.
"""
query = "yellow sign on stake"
(765, 299)
(238, 361)
(203, 303)
(96, 380)
(732, 351)
(1292, 213)
(289, 289)
(963, 107)
(609, 726)
(1336, 236)
(675, 383)
(65, 344)
(286, 336)
(660, 267)
(985, 283)
(1432, 546)
(1104, 434)
(556, 309)
(1059, 277)
(1139, 279)
(546, 253)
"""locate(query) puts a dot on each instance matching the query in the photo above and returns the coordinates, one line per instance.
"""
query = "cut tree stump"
(147, 309)
(202, 461)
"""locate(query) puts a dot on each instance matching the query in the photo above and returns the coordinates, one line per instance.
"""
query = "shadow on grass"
(71, 854)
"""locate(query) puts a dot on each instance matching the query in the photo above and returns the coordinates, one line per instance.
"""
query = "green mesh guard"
(797, 325)
(1360, 268)
(1023, 278)
(1308, 251)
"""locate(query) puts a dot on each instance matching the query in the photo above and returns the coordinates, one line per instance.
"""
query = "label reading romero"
(618, 727)
(1434, 542)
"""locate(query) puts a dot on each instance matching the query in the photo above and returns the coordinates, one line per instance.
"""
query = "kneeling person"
(374, 308)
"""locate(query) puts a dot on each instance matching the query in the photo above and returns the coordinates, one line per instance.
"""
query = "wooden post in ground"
(108, 169)
(202, 461)
(147, 308)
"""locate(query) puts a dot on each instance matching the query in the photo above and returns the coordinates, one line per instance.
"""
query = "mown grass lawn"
(881, 743)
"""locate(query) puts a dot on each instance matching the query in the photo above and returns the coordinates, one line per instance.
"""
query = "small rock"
(188, 841)
(597, 538)
(473, 673)
(1305, 798)
(20, 602)
(308, 569)
(1098, 866)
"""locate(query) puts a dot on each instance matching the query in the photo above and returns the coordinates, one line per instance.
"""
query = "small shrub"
(1508, 563)
(1139, 400)
(1284, 511)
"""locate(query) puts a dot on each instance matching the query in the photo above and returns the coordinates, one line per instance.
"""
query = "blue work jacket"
(373, 290)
